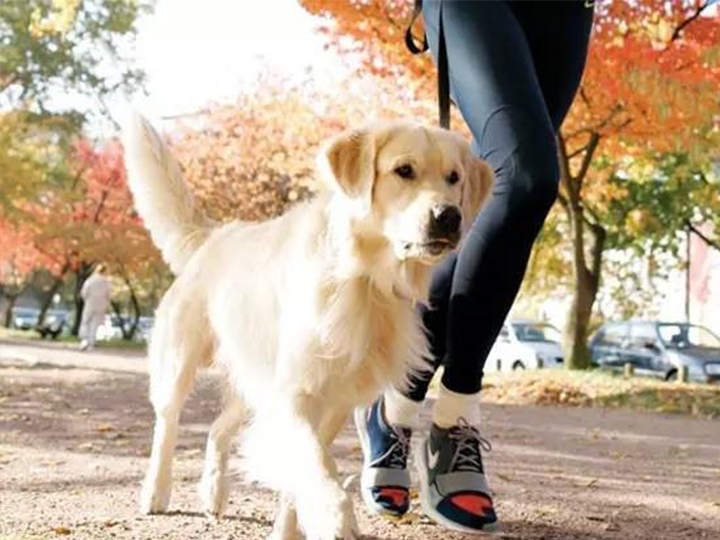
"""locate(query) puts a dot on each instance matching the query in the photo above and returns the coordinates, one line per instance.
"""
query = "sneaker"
(385, 480)
(453, 489)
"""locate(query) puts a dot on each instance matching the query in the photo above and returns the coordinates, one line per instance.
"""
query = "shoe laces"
(395, 457)
(468, 441)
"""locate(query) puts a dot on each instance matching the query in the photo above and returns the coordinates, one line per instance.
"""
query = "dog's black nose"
(445, 221)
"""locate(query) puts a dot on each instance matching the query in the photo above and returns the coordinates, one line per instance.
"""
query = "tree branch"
(698, 11)
(101, 205)
(564, 162)
(593, 214)
(587, 158)
(598, 247)
(709, 241)
(578, 152)
(616, 109)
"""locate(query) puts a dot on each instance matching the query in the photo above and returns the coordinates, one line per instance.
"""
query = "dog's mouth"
(438, 247)
(430, 249)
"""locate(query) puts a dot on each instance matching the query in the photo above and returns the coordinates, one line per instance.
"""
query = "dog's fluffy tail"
(161, 195)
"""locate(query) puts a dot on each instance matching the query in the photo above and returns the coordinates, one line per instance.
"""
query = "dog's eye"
(453, 178)
(405, 171)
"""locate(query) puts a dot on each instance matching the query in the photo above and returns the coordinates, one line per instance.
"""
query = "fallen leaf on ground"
(61, 530)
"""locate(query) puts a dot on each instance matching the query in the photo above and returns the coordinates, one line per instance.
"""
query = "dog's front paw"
(334, 521)
(214, 490)
(346, 527)
(154, 498)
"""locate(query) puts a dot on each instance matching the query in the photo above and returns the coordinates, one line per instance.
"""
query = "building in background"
(704, 282)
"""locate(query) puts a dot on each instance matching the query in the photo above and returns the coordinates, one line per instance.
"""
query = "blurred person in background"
(95, 293)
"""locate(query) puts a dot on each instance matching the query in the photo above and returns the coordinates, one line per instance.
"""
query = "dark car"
(658, 349)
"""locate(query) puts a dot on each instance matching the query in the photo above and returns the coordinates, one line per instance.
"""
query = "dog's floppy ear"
(476, 188)
(347, 162)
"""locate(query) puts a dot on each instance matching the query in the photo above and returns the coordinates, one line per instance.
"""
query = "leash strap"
(409, 37)
(443, 79)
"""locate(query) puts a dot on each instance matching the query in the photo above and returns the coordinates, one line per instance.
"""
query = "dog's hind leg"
(214, 485)
(174, 359)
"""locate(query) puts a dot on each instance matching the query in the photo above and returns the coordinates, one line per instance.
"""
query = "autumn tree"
(49, 48)
(18, 260)
(650, 88)
(87, 218)
(65, 47)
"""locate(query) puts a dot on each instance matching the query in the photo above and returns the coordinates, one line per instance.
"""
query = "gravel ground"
(75, 435)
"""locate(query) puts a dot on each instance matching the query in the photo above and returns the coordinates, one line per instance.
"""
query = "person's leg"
(481, 38)
(84, 329)
(513, 91)
(94, 323)
(496, 83)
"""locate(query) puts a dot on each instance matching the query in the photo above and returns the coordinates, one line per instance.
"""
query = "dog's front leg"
(324, 509)
(286, 523)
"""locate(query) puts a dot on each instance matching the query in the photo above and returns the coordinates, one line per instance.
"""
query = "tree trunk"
(128, 331)
(587, 281)
(7, 319)
(587, 278)
(117, 309)
(49, 298)
(136, 310)
(577, 355)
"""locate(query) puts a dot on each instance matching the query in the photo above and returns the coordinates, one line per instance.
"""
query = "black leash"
(443, 84)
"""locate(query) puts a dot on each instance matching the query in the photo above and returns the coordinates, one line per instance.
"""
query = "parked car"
(145, 325)
(524, 344)
(658, 349)
(25, 318)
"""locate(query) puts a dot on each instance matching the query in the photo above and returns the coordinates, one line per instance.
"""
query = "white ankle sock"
(451, 406)
(400, 410)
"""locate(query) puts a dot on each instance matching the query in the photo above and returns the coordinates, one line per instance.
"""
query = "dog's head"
(418, 187)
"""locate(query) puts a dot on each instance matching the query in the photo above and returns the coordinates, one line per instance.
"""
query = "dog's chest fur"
(366, 339)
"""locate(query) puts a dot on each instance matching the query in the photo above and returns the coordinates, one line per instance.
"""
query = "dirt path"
(75, 434)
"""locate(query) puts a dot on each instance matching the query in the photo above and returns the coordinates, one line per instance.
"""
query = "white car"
(525, 345)
(109, 329)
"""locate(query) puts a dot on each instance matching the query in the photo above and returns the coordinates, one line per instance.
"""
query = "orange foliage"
(18, 255)
(651, 82)
(86, 218)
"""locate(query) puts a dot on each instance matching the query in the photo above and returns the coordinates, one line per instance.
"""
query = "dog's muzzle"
(443, 231)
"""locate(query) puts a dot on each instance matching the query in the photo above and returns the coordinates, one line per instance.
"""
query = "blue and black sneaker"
(385, 480)
(453, 489)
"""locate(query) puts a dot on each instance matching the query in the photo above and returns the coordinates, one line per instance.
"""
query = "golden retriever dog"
(308, 315)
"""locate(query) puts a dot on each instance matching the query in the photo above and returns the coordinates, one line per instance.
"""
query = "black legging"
(514, 69)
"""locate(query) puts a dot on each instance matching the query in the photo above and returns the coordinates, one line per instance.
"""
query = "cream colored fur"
(309, 315)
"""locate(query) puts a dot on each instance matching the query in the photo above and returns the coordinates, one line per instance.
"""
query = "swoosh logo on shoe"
(433, 458)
